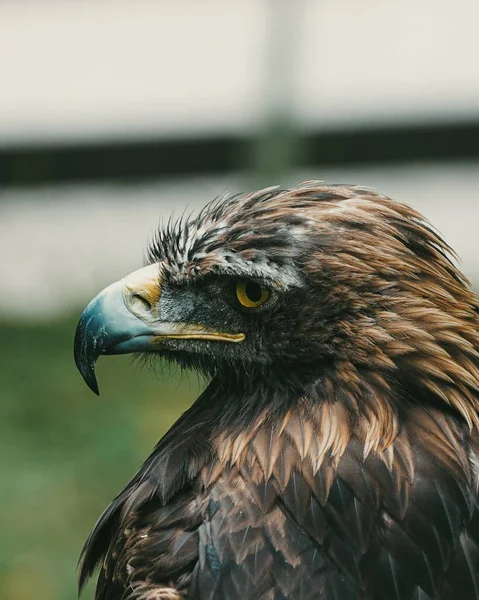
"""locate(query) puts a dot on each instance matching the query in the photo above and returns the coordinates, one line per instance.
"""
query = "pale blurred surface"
(83, 69)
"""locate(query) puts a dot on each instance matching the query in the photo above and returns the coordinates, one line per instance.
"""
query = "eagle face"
(334, 453)
(280, 283)
(227, 290)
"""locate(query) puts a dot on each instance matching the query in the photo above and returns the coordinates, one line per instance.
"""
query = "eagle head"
(289, 285)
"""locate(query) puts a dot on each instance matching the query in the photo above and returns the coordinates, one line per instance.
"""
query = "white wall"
(95, 68)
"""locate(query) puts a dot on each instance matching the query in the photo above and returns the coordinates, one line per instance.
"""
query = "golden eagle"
(334, 454)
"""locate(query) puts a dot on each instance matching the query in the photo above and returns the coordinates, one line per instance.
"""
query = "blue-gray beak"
(117, 321)
(126, 317)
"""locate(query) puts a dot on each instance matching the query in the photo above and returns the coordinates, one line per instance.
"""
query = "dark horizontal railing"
(157, 158)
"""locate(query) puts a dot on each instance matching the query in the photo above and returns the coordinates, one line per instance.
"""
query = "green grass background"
(64, 453)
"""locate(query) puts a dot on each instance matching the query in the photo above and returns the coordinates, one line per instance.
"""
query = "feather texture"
(339, 460)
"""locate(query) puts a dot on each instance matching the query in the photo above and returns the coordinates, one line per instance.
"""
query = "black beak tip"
(87, 371)
(94, 387)
(90, 380)
(85, 357)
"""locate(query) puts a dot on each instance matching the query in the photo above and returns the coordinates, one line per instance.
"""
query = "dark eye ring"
(251, 294)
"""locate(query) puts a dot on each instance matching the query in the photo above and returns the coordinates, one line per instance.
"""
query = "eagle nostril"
(139, 303)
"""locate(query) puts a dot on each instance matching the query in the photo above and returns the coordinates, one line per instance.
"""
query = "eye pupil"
(253, 291)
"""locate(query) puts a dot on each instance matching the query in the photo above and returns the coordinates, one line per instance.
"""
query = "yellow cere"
(250, 294)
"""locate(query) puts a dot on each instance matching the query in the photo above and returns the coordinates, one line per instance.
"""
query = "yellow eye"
(250, 294)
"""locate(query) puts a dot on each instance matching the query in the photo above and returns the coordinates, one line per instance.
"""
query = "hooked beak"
(125, 318)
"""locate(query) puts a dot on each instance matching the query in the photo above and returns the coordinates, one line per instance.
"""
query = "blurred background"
(113, 114)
